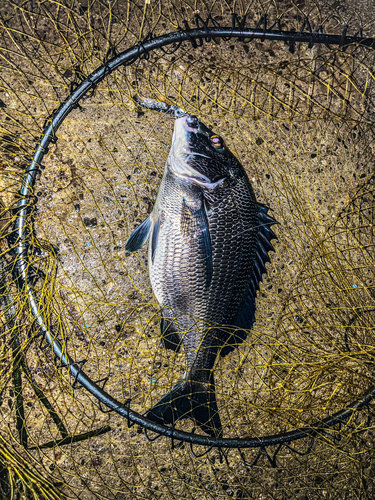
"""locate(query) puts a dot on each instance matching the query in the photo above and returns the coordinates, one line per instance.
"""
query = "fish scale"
(209, 242)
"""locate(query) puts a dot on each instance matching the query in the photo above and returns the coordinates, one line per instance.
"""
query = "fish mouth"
(181, 167)
(182, 151)
(205, 182)
(195, 153)
(187, 173)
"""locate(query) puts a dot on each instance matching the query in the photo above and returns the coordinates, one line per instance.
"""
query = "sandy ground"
(301, 123)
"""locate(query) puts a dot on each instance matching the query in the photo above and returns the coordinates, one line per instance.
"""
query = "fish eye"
(216, 141)
(179, 113)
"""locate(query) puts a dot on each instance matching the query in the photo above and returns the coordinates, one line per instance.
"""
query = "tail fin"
(190, 399)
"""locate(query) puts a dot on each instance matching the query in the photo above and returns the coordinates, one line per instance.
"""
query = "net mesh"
(301, 121)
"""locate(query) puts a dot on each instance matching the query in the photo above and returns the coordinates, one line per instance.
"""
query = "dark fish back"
(246, 315)
(234, 228)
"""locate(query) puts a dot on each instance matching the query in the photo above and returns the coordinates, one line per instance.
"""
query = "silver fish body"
(208, 243)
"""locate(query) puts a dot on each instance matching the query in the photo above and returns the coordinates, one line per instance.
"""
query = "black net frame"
(20, 233)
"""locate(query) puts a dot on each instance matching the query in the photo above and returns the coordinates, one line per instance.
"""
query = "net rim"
(20, 236)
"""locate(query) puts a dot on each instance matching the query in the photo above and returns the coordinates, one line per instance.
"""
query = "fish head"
(198, 155)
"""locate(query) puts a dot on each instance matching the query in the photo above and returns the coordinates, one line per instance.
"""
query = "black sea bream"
(209, 241)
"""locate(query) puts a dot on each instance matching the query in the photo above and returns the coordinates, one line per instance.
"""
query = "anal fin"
(169, 334)
(244, 322)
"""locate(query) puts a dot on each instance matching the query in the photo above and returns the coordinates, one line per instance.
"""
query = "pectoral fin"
(139, 236)
(194, 225)
(154, 239)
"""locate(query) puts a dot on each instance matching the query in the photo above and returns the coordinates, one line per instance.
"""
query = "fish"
(208, 244)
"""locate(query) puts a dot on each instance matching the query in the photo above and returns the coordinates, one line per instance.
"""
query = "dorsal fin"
(246, 315)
